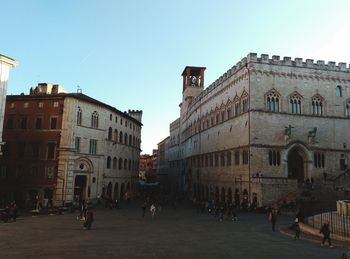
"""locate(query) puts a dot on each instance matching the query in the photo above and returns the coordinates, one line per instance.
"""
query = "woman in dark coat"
(89, 218)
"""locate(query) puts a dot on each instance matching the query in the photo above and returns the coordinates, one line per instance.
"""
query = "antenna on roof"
(79, 90)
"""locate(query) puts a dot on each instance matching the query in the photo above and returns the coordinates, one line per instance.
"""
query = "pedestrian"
(273, 218)
(296, 228)
(144, 207)
(89, 218)
(326, 232)
(153, 210)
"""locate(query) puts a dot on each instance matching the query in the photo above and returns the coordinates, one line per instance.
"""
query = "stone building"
(65, 146)
(261, 128)
(5, 64)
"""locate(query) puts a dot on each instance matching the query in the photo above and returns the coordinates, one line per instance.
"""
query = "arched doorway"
(122, 191)
(296, 164)
(109, 190)
(80, 187)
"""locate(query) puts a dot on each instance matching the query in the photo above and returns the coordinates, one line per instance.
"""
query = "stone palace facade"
(264, 126)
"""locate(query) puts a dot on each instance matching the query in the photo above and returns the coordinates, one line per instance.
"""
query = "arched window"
(125, 138)
(121, 137)
(130, 139)
(114, 163)
(222, 159)
(347, 109)
(125, 164)
(245, 104)
(109, 162)
(110, 117)
(317, 105)
(129, 165)
(94, 120)
(110, 133)
(295, 103)
(228, 158)
(237, 108)
(116, 135)
(79, 116)
(120, 163)
(338, 91)
(273, 101)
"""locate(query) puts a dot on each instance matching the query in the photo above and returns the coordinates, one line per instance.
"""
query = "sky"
(130, 54)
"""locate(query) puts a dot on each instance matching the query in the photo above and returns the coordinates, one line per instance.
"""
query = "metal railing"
(339, 224)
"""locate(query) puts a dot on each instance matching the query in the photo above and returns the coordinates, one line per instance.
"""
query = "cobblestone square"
(174, 233)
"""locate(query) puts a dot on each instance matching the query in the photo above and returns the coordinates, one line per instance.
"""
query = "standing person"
(89, 218)
(153, 210)
(296, 228)
(273, 218)
(144, 207)
(326, 234)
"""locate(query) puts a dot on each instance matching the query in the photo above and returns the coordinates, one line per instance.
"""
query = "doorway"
(296, 168)
(80, 186)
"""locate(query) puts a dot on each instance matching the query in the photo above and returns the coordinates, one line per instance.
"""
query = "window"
(108, 162)
(116, 135)
(228, 158)
(319, 159)
(245, 104)
(49, 172)
(9, 123)
(229, 113)
(347, 109)
(77, 144)
(125, 138)
(110, 133)
(110, 117)
(274, 158)
(55, 104)
(21, 149)
(51, 150)
(237, 158)
(94, 120)
(216, 156)
(130, 140)
(116, 119)
(79, 116)
(338, 91)
(295, 103)
(38, 123)
(125, 164)
(120, 163)
(237, 108)
(23, 122)
(222, 159)
(53, 123)
(317, 105)
(223, 116)
(211, 160)
(121, 137)
(272, 101)
(3, 171)
(35, 150)
(115, 163)
(26, 105)
(41, 105)
(93, 146)
(245, 157)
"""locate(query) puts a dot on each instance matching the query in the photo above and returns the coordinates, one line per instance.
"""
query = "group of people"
(10, 212)
(216, 209)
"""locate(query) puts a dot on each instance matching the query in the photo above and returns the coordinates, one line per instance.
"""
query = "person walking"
(89, 218)
(153, 210)
(326, 232)
(296, 229)
(273, 218)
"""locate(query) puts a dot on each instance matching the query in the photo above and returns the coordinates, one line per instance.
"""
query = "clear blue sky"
(130, 54)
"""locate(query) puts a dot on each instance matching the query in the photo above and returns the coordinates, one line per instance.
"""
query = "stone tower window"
(295, 103)
(347, 109)
(317, 106)
(79, 116)
(94, 120)
(245, 104)
(273, 101)
(338, 91)
(108, 162)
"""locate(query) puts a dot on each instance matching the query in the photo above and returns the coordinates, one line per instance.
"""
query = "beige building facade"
(5, 64)
(264, 126)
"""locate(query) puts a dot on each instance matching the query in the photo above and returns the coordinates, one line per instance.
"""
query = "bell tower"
(192, 86)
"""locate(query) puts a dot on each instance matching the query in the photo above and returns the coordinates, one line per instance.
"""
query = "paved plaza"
(174, 233)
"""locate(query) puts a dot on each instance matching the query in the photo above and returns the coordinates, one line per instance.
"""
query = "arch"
(120, 164)
(83, 164)
(116, 135)
(125, 164)
(130, 140)
(121, 137)
(122, 191)
(297, 157)
(114, 163)
(94, 120)
(109, 190)
(338, 91)
(125, 138)
(295, 103)
(272, 100)
(79, 116)
(108, 162)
